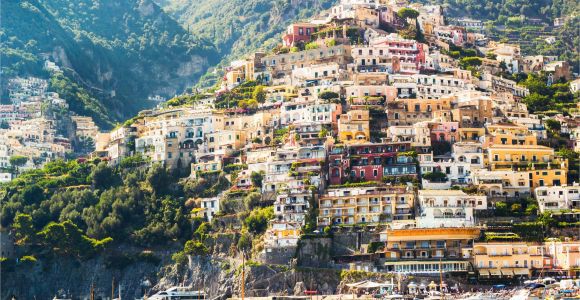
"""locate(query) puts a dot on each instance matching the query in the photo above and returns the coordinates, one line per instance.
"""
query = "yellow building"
(509, 134)
(226, 139)
(354, 126)
(427, 250)
(365, 205)
(548, 177)
(280, 93)
(470, 134)
(507, 259)
(412, 111)
(545, 168)
(242, 70)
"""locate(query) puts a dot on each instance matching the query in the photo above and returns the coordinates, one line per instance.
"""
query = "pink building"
(444, 132)
(452, 35)
(407, 51)
(298, 32)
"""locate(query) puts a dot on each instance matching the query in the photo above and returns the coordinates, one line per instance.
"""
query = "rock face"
(44, 280)
(222, 280)
(219, 275)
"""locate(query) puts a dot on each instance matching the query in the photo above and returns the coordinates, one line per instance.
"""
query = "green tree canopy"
(24, 229)
(18, 160)
(259, 94)
(257, 178)
(328, 95)
(407, 13)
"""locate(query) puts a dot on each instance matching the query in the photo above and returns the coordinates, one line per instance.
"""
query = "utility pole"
(441, 280)
(113, 288)
(93, 291)
(243, 274)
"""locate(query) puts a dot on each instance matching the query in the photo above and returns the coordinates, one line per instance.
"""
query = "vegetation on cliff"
(238, 27)
(121, 51)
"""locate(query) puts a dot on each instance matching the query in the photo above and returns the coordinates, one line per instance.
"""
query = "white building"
(292, 206)
(556, 198)
(418, 134)
(448, 208)
(308, 111)
(502, 183)
(210, 206)
(465, 157)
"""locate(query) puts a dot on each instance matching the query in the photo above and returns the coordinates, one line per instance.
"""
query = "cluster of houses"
(29, 129)
(361, 126)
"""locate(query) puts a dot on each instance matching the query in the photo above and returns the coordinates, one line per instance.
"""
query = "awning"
(522, 271)
(355, 284)
(368, 285)
(495, 272)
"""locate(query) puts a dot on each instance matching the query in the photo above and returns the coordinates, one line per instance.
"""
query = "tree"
(259, 94)
(473, 61)
(257, 221)
(32, 194)
(252, 104)
(252, 200)
(24, 229)
(328, 95)
(158, 179)
(436, 176)
(531, 210)
(537, 102)
(546, 219)
(202, 231)
(501, 208)
(257, 178)
(553, 125)
(407, 13)
(537, 85)
(195, 248)
(419, 36)
(18, 160)
(323, 133)
(245, 242)
(103, 177)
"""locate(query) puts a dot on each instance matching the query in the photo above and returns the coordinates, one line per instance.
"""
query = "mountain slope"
(238, 27)
(546, 10)
(123, 51)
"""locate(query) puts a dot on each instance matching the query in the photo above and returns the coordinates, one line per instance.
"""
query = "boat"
(178, 293)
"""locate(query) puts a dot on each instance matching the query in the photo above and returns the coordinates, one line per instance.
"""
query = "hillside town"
(386, 120)
(37, 127)
(369, 117)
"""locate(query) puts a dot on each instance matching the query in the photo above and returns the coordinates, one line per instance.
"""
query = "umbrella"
(432, 285)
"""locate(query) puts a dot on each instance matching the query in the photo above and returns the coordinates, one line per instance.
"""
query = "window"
(375, 172)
